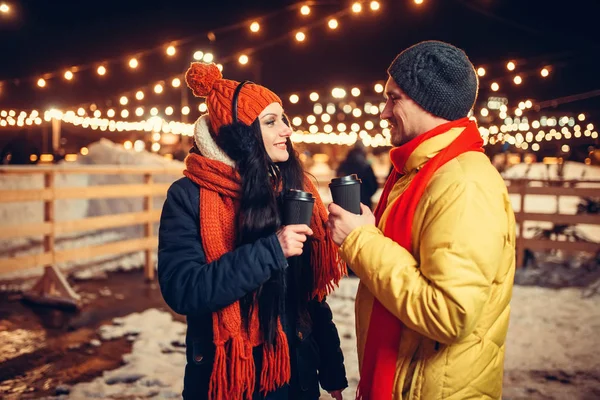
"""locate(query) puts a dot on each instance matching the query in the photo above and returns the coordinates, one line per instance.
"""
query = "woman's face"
(275, 132)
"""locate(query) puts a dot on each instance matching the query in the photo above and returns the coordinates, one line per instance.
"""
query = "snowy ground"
(550, 330)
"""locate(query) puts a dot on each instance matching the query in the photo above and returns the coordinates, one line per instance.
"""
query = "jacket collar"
(206, 143)
(430, 148)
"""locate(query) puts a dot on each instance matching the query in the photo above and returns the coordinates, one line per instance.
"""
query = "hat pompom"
(201, 77)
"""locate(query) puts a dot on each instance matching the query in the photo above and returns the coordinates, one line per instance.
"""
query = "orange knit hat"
(206, 80)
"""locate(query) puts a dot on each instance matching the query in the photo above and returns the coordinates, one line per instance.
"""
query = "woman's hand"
(292, 238)
(337, 394)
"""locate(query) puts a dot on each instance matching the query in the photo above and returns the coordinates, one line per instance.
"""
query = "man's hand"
(337, 394)
(342, 222)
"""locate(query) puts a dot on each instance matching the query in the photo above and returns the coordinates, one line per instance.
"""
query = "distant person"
(437, 260)
(258, 326)
(18, 152)
(356, 163)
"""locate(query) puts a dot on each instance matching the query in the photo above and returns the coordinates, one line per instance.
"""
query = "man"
(437, 269)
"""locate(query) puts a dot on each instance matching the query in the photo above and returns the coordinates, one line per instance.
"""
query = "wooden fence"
(49, 228)
(530, 187)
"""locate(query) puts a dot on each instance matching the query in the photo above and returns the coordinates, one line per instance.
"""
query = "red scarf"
(233, 374)
(383, 337)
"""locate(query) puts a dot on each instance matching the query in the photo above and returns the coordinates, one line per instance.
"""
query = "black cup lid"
(345, 180)
(298, 195)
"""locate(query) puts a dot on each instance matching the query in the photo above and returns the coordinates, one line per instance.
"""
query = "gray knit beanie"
(437, 76)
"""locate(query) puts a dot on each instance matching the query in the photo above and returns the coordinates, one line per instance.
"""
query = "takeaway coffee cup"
(297, 207)
(345, 192)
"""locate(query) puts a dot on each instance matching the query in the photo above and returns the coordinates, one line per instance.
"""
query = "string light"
(158, 88)
(544, 72)
(4, 8)
(510, 66)
(110, 113)
(185, 110)
(355, 92)
(139, 111)
(133, 63)
(374, 5)
(176, 82)
(68, 75)
(169, 110)
(481, 71)
(171, 51)
(101, 70)
(243, 59)
(581, 117)
(139, 95)
(333, 23)
(198, 55)
(338, 93)
(300, 36)
(202, 107)
(123, 100)
(356, 7)
(220, 67)
(378, 88)
(418, 2)
(124, 114)
(495, 87)
(254, 26)
(154, 111)
(208, 58)
(41, 82)
(294, 98)
(314, 96)
(305, 10)
(517, 80)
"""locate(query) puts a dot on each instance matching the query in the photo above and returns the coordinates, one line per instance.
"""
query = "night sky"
(44, 36)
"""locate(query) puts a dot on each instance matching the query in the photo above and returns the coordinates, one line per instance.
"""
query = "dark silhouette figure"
(356, 163)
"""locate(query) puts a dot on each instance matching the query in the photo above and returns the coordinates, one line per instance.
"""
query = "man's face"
(403, 114)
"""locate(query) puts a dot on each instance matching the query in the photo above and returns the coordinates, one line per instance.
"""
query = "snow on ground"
(549, 330)
(155, 366)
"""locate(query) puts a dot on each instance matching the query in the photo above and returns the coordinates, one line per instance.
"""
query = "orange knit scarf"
(233, 374)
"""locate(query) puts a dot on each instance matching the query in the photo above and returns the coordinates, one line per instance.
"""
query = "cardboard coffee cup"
(297, 207)
(345, 192)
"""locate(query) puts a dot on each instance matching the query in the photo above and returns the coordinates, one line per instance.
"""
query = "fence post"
(148, 266)
(520, 219)
(49, 178)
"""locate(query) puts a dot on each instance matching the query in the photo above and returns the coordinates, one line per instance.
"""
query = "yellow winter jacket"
(452, 291)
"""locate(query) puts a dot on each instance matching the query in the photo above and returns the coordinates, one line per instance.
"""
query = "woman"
(258, 327)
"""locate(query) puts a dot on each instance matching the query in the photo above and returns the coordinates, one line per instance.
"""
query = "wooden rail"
(50, 228)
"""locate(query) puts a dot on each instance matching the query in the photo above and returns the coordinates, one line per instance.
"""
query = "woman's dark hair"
(263, 182)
